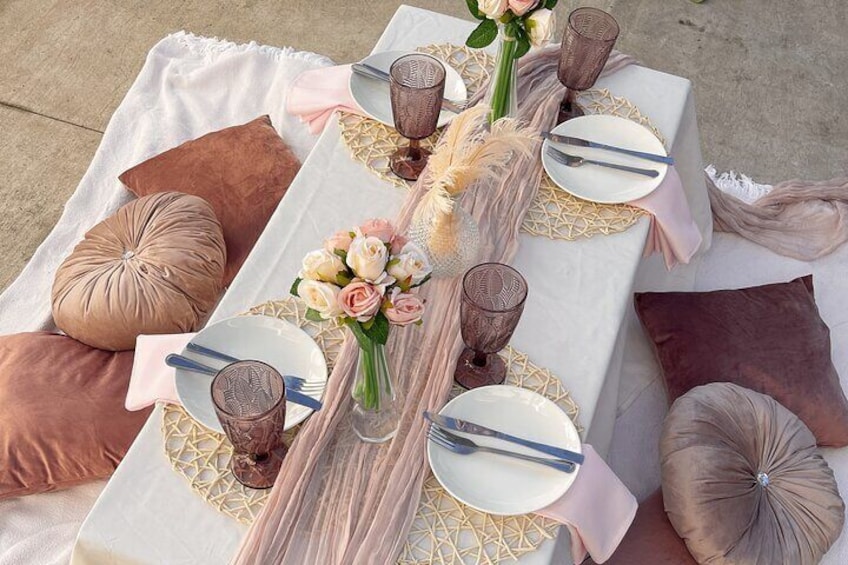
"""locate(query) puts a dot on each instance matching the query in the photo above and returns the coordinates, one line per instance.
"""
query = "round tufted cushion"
(742, 481)
(155, 266)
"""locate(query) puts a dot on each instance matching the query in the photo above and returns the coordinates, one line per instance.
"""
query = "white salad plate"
(602, 184)
(494, 483)
(276, 342)
(372, 95)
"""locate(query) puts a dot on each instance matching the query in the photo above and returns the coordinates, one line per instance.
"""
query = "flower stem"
(503, 76)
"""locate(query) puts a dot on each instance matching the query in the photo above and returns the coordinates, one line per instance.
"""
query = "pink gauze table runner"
(339, 500)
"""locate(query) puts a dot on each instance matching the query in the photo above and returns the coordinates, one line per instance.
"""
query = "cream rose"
(493, 9)
(379, 228)
(540, 27)
(360, 300)
(339, 240)
(412, 264)
(367, 257)
(321, 297)
(406, 308)
(321, 265)
(521, 7)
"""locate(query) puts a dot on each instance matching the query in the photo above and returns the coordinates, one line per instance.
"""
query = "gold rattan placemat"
(555, 213)
(444, 530)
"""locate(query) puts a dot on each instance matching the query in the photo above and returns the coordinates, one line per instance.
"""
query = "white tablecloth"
(580, 293)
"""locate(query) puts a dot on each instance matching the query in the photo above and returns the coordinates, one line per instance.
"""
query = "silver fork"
(297, 384)
(464, 446)
(575, 161)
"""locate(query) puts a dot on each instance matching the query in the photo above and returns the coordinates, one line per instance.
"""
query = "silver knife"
(366, 70)
(476, 429)
(579, 142)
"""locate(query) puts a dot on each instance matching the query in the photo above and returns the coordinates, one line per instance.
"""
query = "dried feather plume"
(466, 154)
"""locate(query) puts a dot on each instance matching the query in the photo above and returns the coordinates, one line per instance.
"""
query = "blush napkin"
(597, 510)
(315, 94)
(151, 379)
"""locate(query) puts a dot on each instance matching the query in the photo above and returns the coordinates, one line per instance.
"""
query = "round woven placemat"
(444, 530)
(554, 213)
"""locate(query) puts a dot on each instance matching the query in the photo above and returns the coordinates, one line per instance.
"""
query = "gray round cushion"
(742, 481)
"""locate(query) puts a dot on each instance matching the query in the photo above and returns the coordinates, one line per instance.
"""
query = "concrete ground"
(770, 79)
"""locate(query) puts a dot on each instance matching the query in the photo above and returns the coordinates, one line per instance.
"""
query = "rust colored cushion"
(651, 539)
(155, 266)
(242, 171)
(63, 420)
(767, 338)
(743, 481)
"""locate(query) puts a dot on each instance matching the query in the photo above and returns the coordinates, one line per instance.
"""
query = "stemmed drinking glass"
(493, 297)
(586, 44)
(417, 85)
(250, 401)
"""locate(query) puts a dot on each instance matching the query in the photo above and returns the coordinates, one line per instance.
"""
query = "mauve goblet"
(493, 297)
(586, 44)
(416, 87)
(250, 401)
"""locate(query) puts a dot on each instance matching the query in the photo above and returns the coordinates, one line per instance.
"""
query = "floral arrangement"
(523, 23)
(363, 278)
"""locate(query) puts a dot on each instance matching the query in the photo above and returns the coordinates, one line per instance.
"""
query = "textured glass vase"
(376, 414)
(452, 240)
(502, 95)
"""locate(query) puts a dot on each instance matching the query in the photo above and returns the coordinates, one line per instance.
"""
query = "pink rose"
(397, 243)
(339, 240)
(406, 309)
(360, 300)
(379, 228)
(521, 7)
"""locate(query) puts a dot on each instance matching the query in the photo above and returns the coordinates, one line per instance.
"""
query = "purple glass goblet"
(493, 297)
(250, 401)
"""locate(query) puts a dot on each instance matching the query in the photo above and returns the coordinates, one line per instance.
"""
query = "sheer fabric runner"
(338, 500)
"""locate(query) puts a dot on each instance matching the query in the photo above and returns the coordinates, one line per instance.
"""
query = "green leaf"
(341, 253)
(295, 284)
(475, 9)
(523, 45)
(392, 263)
(342, 279)
(483, 35)
(355, 328)
(550, 4)
(379, 330)
(313, 315)
(367, 325)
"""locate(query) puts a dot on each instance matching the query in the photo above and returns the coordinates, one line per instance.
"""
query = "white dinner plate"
(494, 483)
(602, 184)
(278, 343)
(372, 95)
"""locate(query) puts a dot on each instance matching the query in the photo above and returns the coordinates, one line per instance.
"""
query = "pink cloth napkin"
(597, 510)
(316, 94)
(673, 232)
(151, 378)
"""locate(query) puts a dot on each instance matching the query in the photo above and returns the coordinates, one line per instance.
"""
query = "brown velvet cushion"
(743, 481)
(767, 338)
(63, 420)
(242, 171)
(155, 266)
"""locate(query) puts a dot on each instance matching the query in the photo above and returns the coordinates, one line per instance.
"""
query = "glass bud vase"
(502, 93)
(376, 414)
(451, 240)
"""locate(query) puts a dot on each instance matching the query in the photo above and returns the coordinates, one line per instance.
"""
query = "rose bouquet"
(364, 278)
(520, 24)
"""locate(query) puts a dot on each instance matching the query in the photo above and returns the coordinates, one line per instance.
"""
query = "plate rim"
(295, 421)
(545, 160)
(400, 53)
(521, 390)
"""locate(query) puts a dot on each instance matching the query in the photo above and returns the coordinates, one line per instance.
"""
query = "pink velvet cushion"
(767, 338)
(63, 420)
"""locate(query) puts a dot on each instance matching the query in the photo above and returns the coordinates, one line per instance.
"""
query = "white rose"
(321, 297)
(321, 265)
(367, 257)
(540, 27)
(411, 263)
(493, 9)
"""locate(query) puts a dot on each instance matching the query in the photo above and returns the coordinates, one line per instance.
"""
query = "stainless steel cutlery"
(575, 161)
(580, 142)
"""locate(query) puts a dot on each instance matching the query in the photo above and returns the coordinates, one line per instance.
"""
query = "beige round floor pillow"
(155, 266)
(742, 481)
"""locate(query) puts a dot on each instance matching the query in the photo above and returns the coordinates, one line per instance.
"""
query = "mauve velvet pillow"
(767, 338)
(242, 171)
(63, 420)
